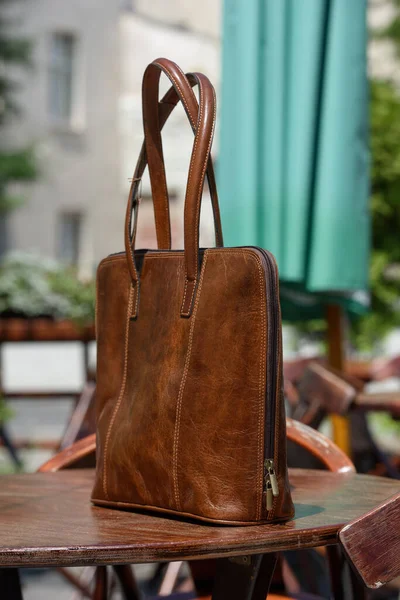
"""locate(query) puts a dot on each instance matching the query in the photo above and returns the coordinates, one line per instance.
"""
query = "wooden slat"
(372, 543)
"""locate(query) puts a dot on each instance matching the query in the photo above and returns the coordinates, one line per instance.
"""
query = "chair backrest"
(372, 543)
(324, 390)
(83, 452)
(82, 423)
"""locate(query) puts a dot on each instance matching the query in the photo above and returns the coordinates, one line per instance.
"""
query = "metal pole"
(336, 359)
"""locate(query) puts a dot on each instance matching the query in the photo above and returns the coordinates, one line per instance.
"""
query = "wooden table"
(46, 519)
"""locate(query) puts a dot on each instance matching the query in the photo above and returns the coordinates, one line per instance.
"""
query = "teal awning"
(294, 159)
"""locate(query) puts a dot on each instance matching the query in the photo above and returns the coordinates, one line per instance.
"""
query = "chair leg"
(170, 578)
(77, 582)
(10, 585)
(127, 582)
(244, 577)
(100, 588)
(8, 444)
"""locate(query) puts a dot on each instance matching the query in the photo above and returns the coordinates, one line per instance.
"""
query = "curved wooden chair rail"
(320, 446)
(72, 456)
(311, 440)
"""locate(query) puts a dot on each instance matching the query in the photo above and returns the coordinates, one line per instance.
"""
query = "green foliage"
(15, 166)
(369, 330)
(5, 411)
(31, 286)
(382, 421)
(392, 31)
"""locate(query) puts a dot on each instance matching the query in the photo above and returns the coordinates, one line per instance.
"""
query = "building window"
(69, 240)
(61, 75)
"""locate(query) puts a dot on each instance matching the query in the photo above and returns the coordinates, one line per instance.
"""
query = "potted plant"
(43, 300)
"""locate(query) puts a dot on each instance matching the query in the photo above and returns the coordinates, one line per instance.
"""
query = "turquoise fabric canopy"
(294, 160)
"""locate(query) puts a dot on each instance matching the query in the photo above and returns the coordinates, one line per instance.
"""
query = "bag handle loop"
(157, 170)
(198, 164)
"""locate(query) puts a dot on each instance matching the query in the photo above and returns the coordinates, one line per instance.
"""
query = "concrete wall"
(86, 167)
(79, 163)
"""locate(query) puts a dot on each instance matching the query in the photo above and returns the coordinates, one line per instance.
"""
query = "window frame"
(75, 119)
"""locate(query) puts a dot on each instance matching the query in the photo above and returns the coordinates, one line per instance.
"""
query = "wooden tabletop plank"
(47, 519)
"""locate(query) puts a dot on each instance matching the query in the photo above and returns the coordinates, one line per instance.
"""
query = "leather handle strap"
(155, 116)
(198, 164)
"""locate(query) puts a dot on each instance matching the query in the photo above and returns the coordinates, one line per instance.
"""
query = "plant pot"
(13, 330)
(42, 329)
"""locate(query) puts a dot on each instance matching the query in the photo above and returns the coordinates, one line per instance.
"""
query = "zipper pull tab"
(268, 493)
(271, 482)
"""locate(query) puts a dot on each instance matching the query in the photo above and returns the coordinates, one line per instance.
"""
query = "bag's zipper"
(270, 488)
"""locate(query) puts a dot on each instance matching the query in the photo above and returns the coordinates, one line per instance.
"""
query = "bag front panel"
(184, 432)
(219, 457)
(137, 426)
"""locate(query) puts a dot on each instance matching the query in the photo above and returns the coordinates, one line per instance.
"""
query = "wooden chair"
(324, 390)
(372, 543)
(82, 421)
(82, 453)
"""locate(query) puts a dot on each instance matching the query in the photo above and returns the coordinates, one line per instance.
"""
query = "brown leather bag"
(190, 412)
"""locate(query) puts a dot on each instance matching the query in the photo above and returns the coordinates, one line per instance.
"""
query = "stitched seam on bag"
(170, 76)
(160, 510)
(131, 241)
(136, 290)
(121, 393)
(199, 195)
(184, 296)
(261, 378)
(196, 141)
(204, 166)
(182, 388)
(164, 184)
(218, 230)
(278, 392)
(183, 100)
(185, 292)
(203, 173)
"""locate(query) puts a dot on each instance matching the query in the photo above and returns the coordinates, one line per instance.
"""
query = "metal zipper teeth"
(270, 487)
(273, 332)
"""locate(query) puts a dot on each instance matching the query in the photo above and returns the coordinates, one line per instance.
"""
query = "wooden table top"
(46, 519)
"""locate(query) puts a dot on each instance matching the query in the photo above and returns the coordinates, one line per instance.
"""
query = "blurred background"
(71, 131)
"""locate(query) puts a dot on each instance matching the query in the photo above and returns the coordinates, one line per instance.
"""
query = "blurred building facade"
(81, 111)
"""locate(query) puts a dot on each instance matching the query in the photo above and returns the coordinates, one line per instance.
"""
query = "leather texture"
(189, 368)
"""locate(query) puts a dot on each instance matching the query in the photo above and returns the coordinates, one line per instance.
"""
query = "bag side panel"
(113, 285)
